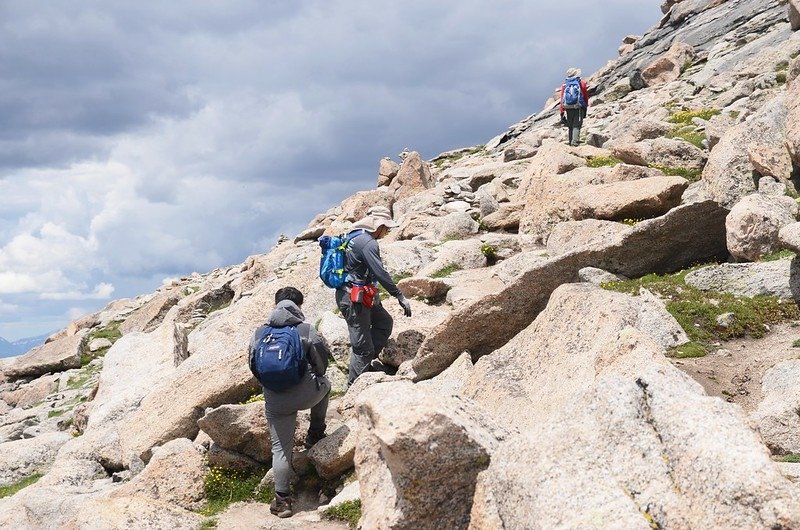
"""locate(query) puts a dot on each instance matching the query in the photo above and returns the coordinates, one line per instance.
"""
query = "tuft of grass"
(778, 254)
(56, 413)
(690, 350)
(692, 175)
(685, 116)
(11, 489)
(490, 253)
(258, 396)
(209, 524)
(446, 271)
(688, 134)
(631, 222)
(780, 77)
(224, 487)
(782, 65)
(441, 161)
(796, 344)
(792, 458)
(110, 332)
(697, 311)
(349, 512)
(602, 161)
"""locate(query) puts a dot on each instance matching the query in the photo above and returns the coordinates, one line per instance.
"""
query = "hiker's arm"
(585, 90)
(372, 256)
(318, 353)
(561, 100)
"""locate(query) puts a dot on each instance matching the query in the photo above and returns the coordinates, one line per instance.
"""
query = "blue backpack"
(278, 360)
(573, 95)
(331, 264)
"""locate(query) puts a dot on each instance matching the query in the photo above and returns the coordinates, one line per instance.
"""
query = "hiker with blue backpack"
(574, 102)
(352, 264)
(289, 358)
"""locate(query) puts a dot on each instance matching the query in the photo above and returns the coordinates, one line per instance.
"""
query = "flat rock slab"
(683, 236)
(779, 278)
(56, 356)
(638, 199)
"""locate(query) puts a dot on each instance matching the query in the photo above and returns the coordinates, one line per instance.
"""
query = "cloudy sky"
(146, 140)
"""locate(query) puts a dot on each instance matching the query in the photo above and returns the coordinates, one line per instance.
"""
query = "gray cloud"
(143, 140)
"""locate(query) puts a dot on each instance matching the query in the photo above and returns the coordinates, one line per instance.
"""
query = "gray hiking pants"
(369, 330)
(575, 122)
(281, 408)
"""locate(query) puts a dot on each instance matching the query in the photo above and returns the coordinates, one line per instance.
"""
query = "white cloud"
(102, 291)
(8, 308)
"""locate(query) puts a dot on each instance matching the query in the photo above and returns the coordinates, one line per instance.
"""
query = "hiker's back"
(572, 97)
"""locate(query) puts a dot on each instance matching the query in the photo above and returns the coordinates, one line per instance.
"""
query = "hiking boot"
(281, 506)
(375, 365)
(313, 436)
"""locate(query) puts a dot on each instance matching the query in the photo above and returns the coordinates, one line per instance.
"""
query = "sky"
(141, 141)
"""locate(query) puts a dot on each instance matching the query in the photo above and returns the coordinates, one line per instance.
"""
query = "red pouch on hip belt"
(363, 294)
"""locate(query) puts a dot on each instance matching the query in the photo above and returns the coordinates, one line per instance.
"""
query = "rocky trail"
(603, 336)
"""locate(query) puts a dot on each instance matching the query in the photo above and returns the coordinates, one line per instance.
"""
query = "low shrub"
(602, 161)
(224, 486)
(685, 116)
(692, 175)
(349, 511)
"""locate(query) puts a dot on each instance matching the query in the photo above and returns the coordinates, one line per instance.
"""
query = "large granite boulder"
(408, 436)
(728, 176)
(571, 235)
(413, 176)
(660, 152)
(174, 475)
(240, 428)
(777, 418)
(754, 223)
(779, 278)
(56, 356)
(669, 66)
(639, 431)
(637, 199)
(22, 458)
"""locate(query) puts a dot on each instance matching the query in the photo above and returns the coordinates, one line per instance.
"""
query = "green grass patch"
(778, 254)
(349, 512)
(219, 305)
(602, 161)
(254, 398)
(692, 175)
(441, 161)
(796, 344)
(688, 134)
(224, 487)
(631, 222)
(11, 489)
(209, 523)
(190, 290)
(56, 413)
(446, 271)
(80, 380)
(792, 458)
(685, 116)
(783, 65)
(110, 332)
(690, 350)
(697, 311)
(780, 77)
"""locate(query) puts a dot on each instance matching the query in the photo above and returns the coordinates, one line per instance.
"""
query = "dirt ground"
(733, 370)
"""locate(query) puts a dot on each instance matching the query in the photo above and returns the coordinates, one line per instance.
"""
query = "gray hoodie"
(364, 265)
(286, 313)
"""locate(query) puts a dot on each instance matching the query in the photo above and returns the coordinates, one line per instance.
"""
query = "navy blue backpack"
(278, 360)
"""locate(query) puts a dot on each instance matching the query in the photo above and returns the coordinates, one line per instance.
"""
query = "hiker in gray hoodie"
(310, 393)
(368, 323)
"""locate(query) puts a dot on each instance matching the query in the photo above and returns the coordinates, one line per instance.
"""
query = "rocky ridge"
(690, 156)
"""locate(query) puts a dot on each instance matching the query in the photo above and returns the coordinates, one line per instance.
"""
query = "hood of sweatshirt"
(286, 313)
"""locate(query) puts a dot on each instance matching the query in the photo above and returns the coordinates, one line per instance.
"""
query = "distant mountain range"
(18, 347)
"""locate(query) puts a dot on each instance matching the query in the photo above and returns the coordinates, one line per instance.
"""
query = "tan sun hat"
(377, 216)
(574, 72)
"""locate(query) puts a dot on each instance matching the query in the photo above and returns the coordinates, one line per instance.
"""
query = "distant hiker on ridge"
(289, 359)
(368, 323)
(574, 102)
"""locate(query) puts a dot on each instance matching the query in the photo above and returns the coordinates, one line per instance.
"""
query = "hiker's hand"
(583, 113)
(563, 119)
(405, 304)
